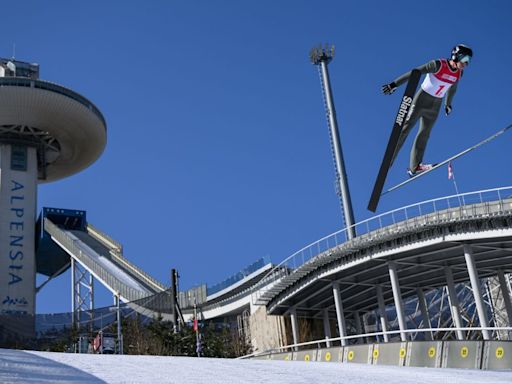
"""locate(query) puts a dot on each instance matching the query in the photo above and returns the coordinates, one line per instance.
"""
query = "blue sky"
(218, 150)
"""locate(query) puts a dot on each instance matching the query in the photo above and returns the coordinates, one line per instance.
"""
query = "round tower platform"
(70, 127)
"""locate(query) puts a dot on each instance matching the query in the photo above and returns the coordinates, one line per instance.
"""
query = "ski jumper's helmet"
(462, 53)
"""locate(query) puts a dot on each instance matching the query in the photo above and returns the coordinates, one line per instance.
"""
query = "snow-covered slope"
(47, 367)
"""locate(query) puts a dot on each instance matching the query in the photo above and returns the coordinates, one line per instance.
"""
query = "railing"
(52, 87)
(104, 238)
(127, 292)
(329, 341)
(138, 273)
(198, 295)
(258, 264)
(228, 300)
(430, 212)
(115, 250)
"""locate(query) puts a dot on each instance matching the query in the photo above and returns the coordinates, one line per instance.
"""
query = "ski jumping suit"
(441, 80)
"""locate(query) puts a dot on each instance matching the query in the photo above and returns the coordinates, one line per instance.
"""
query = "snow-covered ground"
(48, 367)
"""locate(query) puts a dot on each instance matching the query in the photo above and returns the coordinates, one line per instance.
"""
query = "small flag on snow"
(450, 171)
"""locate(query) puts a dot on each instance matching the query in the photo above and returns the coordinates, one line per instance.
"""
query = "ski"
(490, 138)
(401, 117)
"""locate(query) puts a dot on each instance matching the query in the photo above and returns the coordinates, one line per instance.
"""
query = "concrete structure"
(267, 332)
(454, 243)
(47, 132)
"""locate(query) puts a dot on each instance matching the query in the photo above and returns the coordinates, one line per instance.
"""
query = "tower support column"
(477, 293)
(18, 194)
(395, 285)
(382, 313)
(327, 327)
(340, 316)
(73, 294)
(359, 327)
(295, 325)
(117, 303)
(82, 295)
(454, 303)
(424, 313)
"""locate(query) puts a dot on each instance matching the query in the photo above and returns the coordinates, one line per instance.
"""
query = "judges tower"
(47, 132)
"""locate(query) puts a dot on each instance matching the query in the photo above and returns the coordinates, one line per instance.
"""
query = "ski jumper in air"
(440, 83)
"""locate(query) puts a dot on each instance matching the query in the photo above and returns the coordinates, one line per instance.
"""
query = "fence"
(43, 331)
(412, 217)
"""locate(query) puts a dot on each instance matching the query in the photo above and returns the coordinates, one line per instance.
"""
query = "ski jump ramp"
(105, 263)
(102, 258)
(67, 239)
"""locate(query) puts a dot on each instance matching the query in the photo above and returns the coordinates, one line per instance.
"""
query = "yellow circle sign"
(350, 355)
(464, 352)
(500, 353)
(306, 358)
(327, 356)
(402, 353)
(375, 353)
(431, 352)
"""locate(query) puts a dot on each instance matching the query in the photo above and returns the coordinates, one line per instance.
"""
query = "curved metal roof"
(421, 248)
(71, 119)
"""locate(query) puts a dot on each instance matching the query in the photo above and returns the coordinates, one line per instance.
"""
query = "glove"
(448, 109)
(388, 89)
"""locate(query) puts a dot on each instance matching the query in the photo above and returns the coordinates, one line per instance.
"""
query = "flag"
(96, 343)
(195, 325)
(450, 171)
(11, 66)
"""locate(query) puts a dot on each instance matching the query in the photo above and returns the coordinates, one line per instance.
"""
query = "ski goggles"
(465, 59)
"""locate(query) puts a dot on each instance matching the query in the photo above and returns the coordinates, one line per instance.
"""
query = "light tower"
(47, 132)
(321, 57)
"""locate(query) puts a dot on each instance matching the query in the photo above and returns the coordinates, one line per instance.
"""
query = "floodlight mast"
(321, 57)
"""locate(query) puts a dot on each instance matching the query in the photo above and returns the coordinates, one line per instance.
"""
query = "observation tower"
(47, 132)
